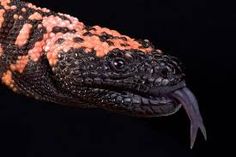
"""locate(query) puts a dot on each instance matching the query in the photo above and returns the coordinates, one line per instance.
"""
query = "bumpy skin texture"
(54, 57)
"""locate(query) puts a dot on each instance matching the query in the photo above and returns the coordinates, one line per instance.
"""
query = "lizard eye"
(118, 64)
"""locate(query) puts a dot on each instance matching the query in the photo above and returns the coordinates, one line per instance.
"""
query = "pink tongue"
(190, 104)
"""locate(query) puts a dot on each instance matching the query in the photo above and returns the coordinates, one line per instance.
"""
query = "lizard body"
(54, 57)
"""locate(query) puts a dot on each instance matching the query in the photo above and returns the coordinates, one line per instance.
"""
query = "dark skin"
(123, 77)
(122, 81)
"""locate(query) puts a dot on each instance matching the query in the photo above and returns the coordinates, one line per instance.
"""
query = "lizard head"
(132, 82)
(139, 84)
(128, 81)
(131, 78)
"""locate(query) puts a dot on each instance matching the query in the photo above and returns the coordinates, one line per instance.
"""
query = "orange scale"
(5, 4)
(20, 17)
(116, 43)
(35, 56)
(99, 53)
(24, 35)
(54, 54)
(36, 52)
(23, 10)
(134, 44)
(66, 49)
(49, 55)
(30, 5)
(13, 7)
(54, 48)
(52, 58)
(7, 79)
(122, 48)
(45, 10)
(1, 50)
(88, 45)
(2, 11)
(76, 45)
(87, 50)
(15, 16)
(36, 16)
(111, 48)
(97, 27)
(127, 37)
(115, 33)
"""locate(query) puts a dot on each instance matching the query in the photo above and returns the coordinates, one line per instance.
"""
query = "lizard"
(54, 57)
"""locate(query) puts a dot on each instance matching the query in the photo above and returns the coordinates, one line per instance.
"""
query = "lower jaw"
(166, 108)
(138, 106)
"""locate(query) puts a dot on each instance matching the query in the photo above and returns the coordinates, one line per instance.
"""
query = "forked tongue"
(190, 104)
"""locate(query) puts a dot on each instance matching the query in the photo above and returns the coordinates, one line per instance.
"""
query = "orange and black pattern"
(54, 57)
(28, 33)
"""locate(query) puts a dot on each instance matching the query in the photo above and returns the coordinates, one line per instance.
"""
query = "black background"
(196, 31)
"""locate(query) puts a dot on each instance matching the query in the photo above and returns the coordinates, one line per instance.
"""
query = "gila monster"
(56, 58)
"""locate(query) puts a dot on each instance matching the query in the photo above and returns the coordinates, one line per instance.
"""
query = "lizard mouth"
(157, 102)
